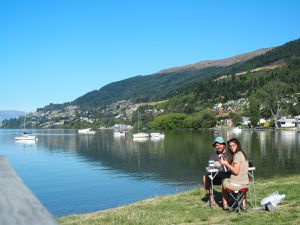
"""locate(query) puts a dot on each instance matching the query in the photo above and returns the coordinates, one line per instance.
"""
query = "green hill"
(167, 84)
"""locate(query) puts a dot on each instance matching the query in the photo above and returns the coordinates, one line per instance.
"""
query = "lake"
(73, 173)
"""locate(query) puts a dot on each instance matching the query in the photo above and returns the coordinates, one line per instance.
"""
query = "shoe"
(210, 203)
(225, 207)
(244, 208)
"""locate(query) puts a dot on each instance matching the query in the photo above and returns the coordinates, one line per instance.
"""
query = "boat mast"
(138, 120)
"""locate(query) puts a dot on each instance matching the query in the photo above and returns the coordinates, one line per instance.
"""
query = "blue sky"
(53, 51)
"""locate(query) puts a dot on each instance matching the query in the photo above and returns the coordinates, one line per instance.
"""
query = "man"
(221, 151)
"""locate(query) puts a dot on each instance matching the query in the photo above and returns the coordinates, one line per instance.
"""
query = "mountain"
(9, 114)
(162, 84)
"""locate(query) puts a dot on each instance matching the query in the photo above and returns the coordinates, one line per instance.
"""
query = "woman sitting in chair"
(239, 172)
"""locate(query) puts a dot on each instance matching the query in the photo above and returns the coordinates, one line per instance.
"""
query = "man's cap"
(219, 140)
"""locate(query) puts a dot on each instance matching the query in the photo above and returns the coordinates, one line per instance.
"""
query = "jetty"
(18, 205)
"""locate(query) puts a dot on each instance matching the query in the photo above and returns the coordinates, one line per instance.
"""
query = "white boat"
(86, 131)
(26, 136)
(119, 134)
(237, 130)
(25, 142)
(140, 139)
(157, 135)
(140, 135)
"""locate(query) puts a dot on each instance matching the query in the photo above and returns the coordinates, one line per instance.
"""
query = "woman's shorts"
(234, 187)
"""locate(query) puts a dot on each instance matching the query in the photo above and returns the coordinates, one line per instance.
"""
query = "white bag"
(270, 202)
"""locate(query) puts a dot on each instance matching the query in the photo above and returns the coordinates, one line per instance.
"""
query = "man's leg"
(207, 187)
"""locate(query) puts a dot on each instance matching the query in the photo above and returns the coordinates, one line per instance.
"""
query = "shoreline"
(188, 207)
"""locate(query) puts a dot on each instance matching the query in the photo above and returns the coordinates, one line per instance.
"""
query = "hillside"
(160, 85)
(173, 81)
(243, 79)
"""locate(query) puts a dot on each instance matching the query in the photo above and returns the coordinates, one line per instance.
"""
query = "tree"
(236, 118)
(254, 110)
(168, 121)
(274, 95)
(208, 118)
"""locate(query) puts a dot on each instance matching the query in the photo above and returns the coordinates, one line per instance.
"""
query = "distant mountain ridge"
(220, 62)
(162, 84)
(9, 114)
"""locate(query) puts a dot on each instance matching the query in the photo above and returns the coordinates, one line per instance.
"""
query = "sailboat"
(140, 134)
(26, 136)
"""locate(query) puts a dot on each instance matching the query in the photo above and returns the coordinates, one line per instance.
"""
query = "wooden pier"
(18, 205)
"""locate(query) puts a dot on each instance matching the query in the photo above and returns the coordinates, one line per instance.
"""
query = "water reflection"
(72, 160)
(182, 155)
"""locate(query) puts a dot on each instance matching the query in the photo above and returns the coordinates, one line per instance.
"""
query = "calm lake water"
(73, 173)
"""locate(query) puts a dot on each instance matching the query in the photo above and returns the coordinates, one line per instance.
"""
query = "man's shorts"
(219, 178)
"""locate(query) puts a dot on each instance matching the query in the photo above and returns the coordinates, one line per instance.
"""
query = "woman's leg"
(225, 194)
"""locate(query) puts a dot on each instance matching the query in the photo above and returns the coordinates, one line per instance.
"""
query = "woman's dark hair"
(239, 148)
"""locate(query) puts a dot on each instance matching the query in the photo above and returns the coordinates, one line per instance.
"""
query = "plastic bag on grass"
(269, 203)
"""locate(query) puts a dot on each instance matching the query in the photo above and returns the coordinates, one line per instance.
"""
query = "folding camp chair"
(237, 197)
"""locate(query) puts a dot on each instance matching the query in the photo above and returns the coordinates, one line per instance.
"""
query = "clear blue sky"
(53, 51)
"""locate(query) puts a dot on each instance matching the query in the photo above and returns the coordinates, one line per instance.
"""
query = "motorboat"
(140, 135)
(157, 135)
(237, 130)
(140, 139)
(86, 131)
(119, 134)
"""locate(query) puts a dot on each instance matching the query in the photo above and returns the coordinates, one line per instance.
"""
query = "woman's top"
(242, 177)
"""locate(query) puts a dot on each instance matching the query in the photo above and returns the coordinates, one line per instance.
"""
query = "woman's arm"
(235, 169)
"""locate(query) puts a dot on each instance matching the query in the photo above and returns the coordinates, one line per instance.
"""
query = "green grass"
(188, 208)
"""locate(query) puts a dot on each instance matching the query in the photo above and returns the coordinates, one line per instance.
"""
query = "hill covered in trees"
(161, 85)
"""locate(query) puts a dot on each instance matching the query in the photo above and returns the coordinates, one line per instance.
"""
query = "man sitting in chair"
(220, 152)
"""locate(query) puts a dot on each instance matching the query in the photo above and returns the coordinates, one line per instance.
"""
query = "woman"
(239, 171)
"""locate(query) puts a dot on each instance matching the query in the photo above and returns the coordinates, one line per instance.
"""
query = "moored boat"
(86, 131)
(157, 135)
(140, 135)
(26, 137)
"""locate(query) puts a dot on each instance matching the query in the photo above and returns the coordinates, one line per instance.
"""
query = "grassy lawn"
(188, 208)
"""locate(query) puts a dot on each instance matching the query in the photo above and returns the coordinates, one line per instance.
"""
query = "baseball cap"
(219, 140)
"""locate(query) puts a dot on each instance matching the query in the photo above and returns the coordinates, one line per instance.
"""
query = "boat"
(25, 142)
(237, 130)
(140, 134)
(157, 135)
(119, 134)
(26, 136)
(141, 139)
(86, 131)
